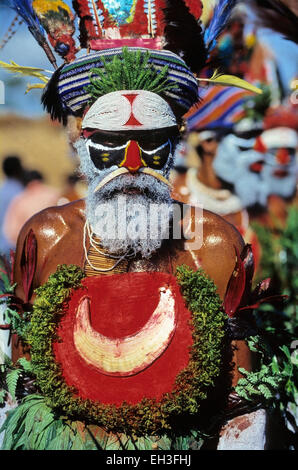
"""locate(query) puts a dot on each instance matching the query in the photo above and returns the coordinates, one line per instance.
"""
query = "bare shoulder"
(213, 229)
(212, 243)
(58, 232)
(216, 228)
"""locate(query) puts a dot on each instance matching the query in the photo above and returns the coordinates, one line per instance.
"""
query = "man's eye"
(99, 140)
(108, 143)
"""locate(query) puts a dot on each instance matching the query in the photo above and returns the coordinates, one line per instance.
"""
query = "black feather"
(83, 36)
(275, 15)
(184, 35)
(51, 100)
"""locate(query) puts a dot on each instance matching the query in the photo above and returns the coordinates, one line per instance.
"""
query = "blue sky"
(24, 50)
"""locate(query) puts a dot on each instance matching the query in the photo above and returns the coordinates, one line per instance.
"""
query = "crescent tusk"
(131, 354)
(110, 177)
(151, 172)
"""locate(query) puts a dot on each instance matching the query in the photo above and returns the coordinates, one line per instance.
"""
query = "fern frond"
(12, 378)
(2, 396)
(25, 364)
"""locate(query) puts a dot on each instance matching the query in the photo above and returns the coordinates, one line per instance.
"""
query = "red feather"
(28, 263)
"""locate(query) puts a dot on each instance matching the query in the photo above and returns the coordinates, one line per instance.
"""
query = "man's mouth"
(122, 171)
(131, 191)
(257, 166)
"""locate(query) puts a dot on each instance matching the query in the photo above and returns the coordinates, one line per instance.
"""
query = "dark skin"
(59, 234)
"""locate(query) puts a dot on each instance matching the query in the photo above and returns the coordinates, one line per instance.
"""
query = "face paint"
(116, 131)
(132, 150)
(129, 110)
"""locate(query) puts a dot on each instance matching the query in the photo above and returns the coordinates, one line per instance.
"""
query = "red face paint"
(132, 120)
(132, 160)
(256, 167)
(282, 156)
(260, 146)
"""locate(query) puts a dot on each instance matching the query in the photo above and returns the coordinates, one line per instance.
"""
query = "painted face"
(130, 129)
(280, 147)
(279, 172)
(258, 168)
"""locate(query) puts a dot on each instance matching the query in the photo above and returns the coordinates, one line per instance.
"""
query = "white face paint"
(257, 175)
(129, 110)
(115, 124)
(280, 137)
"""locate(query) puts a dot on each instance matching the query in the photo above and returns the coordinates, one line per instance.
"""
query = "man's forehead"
(133, 110)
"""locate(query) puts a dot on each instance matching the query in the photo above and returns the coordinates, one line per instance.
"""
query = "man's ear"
(74, 126)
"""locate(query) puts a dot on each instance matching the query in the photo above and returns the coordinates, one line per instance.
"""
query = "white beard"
(125, 225)
(130, 214)
(121, 228)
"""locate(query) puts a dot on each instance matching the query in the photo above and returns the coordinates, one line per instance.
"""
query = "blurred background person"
(74, 189)
(11, 187)
(35, 197)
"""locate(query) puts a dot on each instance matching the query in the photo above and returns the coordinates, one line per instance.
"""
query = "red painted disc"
(120, 305)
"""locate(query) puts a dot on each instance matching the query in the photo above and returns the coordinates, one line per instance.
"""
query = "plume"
(58, 20)
(218, 23)
(184, 35)
(275, 15)
(13, 67)
(24, 9)
(90, 20)
(230, 80)
(51, 100)
(27, 71)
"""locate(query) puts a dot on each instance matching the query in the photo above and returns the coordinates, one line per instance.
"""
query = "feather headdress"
(24, 9)
(275, 15)
(170, 26)
(58, 20)
(218, 23)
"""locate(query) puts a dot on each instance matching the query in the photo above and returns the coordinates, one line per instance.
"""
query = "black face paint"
(108, 148)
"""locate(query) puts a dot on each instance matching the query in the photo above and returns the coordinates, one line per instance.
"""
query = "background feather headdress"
(277, 16)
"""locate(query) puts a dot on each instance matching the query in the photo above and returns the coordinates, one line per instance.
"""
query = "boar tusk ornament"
(131, 354)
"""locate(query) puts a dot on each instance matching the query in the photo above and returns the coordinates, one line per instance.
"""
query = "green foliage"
(19, 323)
(132, 72)
(2, 396)
(255, 107)
(278, 325)
(34, 426)
(279, 259)
(12, 376)
(275, 381)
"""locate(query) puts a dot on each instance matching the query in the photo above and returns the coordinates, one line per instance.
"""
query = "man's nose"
(282, 156)
(133, 157)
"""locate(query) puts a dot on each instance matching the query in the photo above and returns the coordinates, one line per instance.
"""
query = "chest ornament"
(101, 356)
